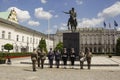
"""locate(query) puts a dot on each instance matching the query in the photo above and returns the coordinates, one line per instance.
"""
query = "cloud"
(56, 16)
(79, 2)
(90, 22)
(33, 23)
(63, 26)
(22, 15)
(50, 31)
(43, 1)
(55, 26)
(41, 14)
(109, 12)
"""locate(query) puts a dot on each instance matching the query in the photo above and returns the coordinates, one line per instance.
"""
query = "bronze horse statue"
(72, 24)
(72, 20)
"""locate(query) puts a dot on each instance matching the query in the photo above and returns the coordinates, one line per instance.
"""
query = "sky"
(47, 16)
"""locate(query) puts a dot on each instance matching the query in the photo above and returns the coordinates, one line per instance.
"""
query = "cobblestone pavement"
(26, 73)
(17, 71)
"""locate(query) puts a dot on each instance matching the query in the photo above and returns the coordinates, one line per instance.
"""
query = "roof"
(4, 15)
(22, 27)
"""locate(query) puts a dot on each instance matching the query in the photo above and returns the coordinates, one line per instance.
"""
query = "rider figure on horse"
(72, 17)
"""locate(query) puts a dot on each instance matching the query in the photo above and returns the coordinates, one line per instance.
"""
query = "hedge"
(13, 55)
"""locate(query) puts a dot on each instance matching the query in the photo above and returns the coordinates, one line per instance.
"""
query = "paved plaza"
(103, 68)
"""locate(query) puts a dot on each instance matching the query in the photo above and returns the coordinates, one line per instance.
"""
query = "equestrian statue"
(72, 21)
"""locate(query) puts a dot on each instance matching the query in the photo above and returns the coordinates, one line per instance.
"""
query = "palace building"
(99, 40)
(22, 38)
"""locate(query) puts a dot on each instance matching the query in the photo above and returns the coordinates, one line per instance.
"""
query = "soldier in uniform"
(64, 57)
(51, 57)
(39, 52)
(88, 57)
(57, 58)
(72, 57)
(82, 57)
(34, 59)
(42, 57)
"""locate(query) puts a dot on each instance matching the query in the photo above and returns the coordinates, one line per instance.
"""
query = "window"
(30, 40)
(33, 40)
(95, 49)
(2, 47)
(36, 41)
(17, 38)
(9, 35)
(22, 38)
(27, 39)
(3, 34)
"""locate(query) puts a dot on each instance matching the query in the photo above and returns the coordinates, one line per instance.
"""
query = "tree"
(59, 46)
(118, 47)
(42, 45)
(8, 47)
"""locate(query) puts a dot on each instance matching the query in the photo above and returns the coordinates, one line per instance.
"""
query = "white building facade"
(99, 40)
(23, 39)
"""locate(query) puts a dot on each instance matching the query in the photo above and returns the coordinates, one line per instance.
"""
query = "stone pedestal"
(71, 40)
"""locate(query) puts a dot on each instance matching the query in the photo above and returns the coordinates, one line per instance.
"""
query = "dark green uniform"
(82, 56)
(38, 60)
(34, 59)
(88, 57)
(42, 58)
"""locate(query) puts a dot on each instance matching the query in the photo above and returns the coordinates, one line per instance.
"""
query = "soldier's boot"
(81, 67)
(34, 69)
(38, 65)
(88, 66)
(9, 61)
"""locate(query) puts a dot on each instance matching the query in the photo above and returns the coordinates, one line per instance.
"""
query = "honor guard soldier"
(57, 58)
(34, 59)
(38, 60)
(88, 57)
(51, 57)
(64, 57)
(82, 59)
(42, 58)
(72, 57)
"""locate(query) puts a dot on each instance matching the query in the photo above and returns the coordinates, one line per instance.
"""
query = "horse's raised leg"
(72, 29)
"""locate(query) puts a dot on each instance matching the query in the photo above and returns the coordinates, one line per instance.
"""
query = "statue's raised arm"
(66, 12)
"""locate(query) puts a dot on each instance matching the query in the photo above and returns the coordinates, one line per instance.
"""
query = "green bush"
(4, 55)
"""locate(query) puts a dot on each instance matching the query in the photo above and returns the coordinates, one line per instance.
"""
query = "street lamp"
(48, 30)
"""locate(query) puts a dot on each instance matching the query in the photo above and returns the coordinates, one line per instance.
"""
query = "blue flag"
(109, 25)
(104, 24)
(115, 23)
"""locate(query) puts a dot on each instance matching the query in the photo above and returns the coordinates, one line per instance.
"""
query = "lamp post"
(33, 38)
(48, 31)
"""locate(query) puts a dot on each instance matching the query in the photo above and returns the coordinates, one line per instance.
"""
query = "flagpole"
(114, 39)
(48, 31)
(104, 42)
(115, 25)
(105, 37)
(109, 38)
